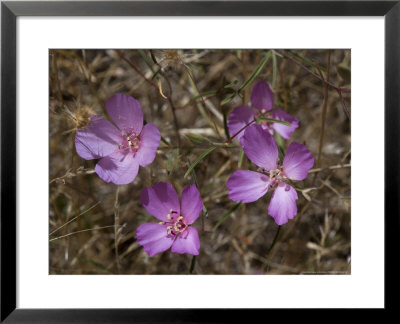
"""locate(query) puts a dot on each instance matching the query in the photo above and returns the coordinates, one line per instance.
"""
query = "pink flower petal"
(282, 206)
(298, 160)
(187, 242)
(126, 113)
(239, 118)
(262, 96)
(247, 186)
(281, 129)
(260, 147)
(119, 168)
(154, 238)
(160, 200)
(191, 204)
(98, 139)
(149, 142)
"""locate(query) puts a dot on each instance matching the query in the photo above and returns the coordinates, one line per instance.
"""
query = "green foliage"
(274, 69)
(306, 61)
(196, 139)
(256, 72)
(199, 159)
(271, 120)
(225, 217)
(172, 160)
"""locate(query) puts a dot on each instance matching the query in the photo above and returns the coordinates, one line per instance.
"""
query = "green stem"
(275, 239)
(192, 264)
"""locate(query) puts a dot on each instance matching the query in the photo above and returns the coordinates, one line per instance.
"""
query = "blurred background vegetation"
(188, 95)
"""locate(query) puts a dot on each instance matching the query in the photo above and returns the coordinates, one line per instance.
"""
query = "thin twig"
(55, 67)
(70, 173)
(313, 197)
(193, 103)
(312, 73)
(346, 110)
(77, 232)
(133, 66)
(333, 167)
(169, 98)
(189, 72)
(238, 132)
(323, 118)
(176, 124)
(275, 238)
(88, 76)
(71, 220)
(339, 90)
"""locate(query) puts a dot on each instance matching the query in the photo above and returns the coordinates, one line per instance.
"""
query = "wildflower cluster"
(125, 143)
(259, 146)
(121, 148)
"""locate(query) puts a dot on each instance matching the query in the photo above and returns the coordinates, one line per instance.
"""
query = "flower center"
(130, 142)
(177, 227)
(276, 176)
(176, 224)
(265, 124)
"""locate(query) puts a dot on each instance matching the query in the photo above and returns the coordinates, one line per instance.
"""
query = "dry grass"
(101, 240)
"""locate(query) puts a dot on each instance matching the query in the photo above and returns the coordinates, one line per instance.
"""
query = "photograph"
(199, 161)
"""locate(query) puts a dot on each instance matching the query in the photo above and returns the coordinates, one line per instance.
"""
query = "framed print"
(189, 160)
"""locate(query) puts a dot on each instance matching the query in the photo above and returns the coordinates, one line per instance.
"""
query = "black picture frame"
(9, 13)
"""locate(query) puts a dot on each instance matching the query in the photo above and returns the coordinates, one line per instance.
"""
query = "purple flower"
(121, 148)
(262, 101)
(174, 229)
(248, 186)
